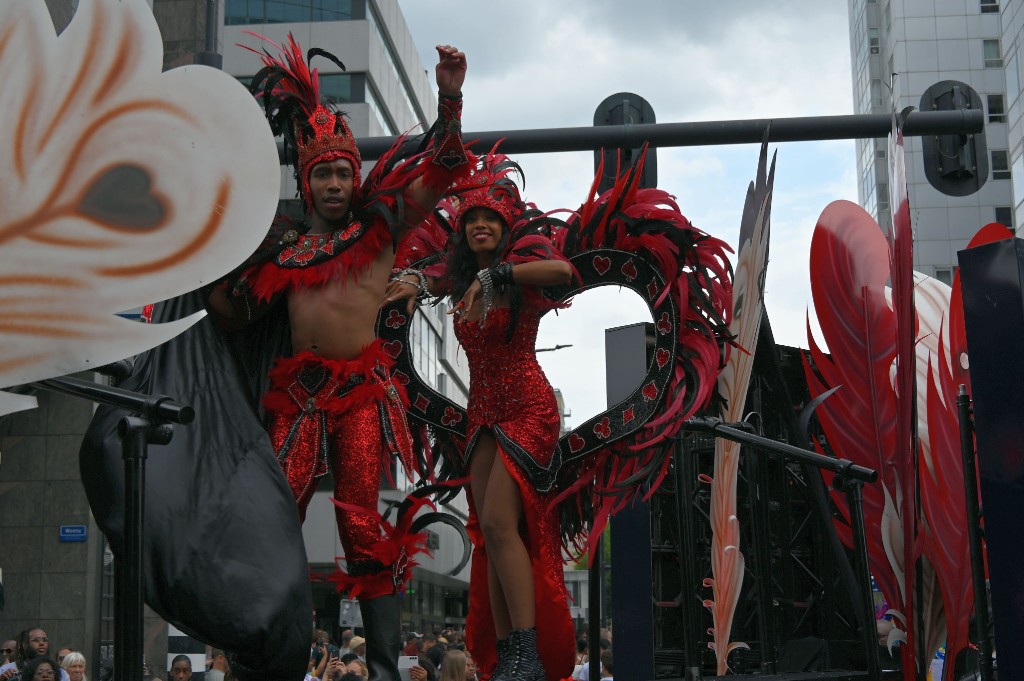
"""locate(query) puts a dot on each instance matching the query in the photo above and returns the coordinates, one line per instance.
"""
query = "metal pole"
(134, 433)
(209, 56)
(760, 518)
(703, 133)
(686, 474)
(981, 613)
(842, 467)
(869, 634)
(211, 26)
(157, 407)
(595, 593)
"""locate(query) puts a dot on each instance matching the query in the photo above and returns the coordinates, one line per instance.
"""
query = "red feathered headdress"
(290, 92)
(489, 186)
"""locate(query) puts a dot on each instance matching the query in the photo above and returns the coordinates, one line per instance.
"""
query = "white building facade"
(900, 48)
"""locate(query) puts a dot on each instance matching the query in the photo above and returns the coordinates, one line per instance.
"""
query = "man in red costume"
(331, 405)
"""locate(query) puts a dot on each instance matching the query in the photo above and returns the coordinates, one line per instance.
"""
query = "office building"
(899, 49)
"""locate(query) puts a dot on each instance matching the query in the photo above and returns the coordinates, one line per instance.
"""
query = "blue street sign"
(74, 533)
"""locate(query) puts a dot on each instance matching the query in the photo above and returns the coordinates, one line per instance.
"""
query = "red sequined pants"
(343, 417)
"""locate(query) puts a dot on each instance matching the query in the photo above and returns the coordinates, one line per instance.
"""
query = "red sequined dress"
(510, 396)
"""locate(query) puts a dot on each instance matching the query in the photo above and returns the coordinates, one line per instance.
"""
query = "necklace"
(307, 250)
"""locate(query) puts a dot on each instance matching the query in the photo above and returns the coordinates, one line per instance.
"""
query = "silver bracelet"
(421, 281)
(487, 287)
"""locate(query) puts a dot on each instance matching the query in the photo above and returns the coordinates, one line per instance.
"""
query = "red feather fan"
(849, 269)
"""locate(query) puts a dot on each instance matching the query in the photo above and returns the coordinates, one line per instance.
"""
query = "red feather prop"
(902, 459)
(849, 259)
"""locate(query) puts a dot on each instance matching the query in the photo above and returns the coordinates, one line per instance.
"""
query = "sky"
(541, 64)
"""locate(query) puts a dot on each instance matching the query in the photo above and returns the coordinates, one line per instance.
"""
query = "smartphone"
(405, 663)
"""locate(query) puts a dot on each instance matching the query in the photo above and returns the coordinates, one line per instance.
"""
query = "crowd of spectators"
(27, 658)
(439, 656)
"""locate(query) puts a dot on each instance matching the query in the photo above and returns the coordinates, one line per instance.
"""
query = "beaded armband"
(421, 281)
(487, 289)
(449, 151)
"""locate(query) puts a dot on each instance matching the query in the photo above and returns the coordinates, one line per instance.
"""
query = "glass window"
(332, 10)
(993, 53)
(1012, 78)
(297, 12)
(1018, 181)
(234, 12)
(280, 11)
(1004, 216)
(945, 275)
(378, 111)
(337, 87)
(873, 40)
(1000, 165)
(989, 6)
(996, 109)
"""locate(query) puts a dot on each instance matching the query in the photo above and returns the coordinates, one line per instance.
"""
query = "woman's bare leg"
(502, 511)
(482, 460)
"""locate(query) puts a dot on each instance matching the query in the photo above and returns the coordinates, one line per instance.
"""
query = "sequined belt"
(308, 382)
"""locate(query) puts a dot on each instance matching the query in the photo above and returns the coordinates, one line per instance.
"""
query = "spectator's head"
(413, 644)
(429, 641)
(453, 666)
(351, 676)
(181, 668)
(581, 646)
(346, 638)
(7, 650)
(61, 654)
(40, 668)
(218, 660)
(348, 657)
(74, 664)
(470, 666)
(359, 667)
(606, 663)
(436, 655)
(32, 643)
(358, 646)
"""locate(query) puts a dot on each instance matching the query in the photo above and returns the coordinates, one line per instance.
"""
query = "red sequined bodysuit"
(510, 396)
(509, 393)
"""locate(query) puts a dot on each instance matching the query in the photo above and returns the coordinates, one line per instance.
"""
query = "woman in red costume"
(497, 265)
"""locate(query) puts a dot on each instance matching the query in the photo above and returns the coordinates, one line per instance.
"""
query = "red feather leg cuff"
(394, 552)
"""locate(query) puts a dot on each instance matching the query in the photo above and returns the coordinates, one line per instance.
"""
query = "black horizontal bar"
(156, 407)
(706, 133)
(838, 466)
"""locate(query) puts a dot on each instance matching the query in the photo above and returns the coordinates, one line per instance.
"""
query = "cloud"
(537, 64)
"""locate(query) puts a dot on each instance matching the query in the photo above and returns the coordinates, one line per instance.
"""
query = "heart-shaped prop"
(632, 237)
(604, 267)
(122, 197)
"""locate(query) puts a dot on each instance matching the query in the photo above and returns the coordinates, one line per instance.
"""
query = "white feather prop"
(119, 185)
